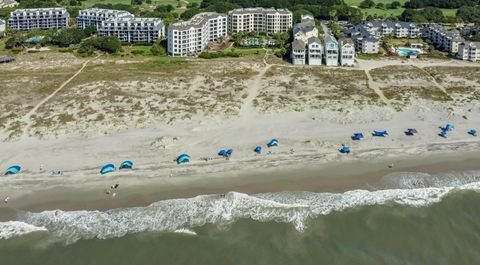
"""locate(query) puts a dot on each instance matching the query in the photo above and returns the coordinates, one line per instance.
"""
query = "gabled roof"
(298, 45)
(313, 40)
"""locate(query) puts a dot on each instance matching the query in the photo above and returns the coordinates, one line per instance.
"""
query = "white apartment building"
(95, 16)
(315, 51)
(331, 51)
(39, 18)
(190, 37)
(469, 51)
(443, 38)
(260, 19)
(305, 29)
(347, 52)
(129, 29)
(299, 52)
(368, 45)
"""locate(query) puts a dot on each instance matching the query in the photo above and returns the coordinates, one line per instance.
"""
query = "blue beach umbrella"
(222, 152)
(229, 152)
(107, 169)
(258, 149)
(13, 170)
(345, 150)
(126, 165)
(357, 136)
(380, 133)
(473, 132)
(273, 142)
(183, 158)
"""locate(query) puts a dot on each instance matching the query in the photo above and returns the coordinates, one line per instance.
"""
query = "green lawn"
(390, 12)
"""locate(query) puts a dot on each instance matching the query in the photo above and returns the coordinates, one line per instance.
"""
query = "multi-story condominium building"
(443, 38)
(331, 51)
(259, 19)
(305, 29)
(95, 16)
(469, 51)
(366, 35)
(315, 51)
(191, 37)
(299, 51)
(347, 52)
(369, 44)
(39, 18)
(129, 29)
(2, 27)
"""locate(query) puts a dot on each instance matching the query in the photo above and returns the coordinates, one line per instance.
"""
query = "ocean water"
(411, 219)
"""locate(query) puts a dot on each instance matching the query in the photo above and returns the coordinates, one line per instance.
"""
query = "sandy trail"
(373, 85)
(27, 118)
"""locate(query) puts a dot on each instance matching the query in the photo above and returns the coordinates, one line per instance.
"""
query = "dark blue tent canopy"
(107, 169)
(357, 136)
(273, 142)
(229, 152)
(126, 165)
(473, 132)
(443, 134)
(222, 152)
(183, 158)
(380, 133)
(13, 170)
(258, 149)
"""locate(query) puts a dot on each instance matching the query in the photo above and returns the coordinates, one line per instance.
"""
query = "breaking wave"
(183, 215)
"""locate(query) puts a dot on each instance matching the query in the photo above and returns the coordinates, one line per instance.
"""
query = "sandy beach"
(249, 103)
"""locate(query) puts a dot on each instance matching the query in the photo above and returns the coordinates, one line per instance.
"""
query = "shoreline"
(334, 177)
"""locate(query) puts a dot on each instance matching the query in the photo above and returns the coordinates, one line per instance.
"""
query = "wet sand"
(330, 177)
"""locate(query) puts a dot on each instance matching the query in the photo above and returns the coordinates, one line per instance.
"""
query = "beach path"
(27, 118)
(373, 85)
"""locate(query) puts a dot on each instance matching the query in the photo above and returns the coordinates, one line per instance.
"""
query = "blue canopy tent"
(411, 132)
(273, 142)
(13, 170)
(448, 127)
(183, 158)
(357, 136)
(126, 165)
(222, 152)
(443, 134)
(380, 133)
(258, 149)
(473, 132)
(345, 150)
(229, 152)
(107, 169)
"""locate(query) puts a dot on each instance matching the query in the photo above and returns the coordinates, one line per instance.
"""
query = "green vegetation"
(105, 44)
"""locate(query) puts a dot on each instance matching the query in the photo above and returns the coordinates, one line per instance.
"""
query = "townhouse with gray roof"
(299, 52)
(190, 38)
(131, 29)
(315, 51)
(260, 19)
(347, 52)
(39, 18)
(331, 50)
(469, 51)
(95, 16)
(305, 29)
(306, 47)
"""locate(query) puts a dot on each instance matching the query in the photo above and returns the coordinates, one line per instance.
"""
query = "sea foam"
(15, 228)
(182, 214)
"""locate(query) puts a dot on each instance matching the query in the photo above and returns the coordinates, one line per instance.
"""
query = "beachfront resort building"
(39, 18)
(469, 51)
(189, 38)
(95, 16)
(299, 52)
(331, 50)
(347, 52)
(268, 20)
(306, 47)
(131, 29)
(367, 34)
(443, 38)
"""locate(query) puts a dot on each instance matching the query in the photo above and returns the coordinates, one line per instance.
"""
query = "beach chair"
(411, 132)
(380, 133)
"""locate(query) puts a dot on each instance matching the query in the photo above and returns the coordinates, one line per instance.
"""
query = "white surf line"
(373, 85)
(27, 118)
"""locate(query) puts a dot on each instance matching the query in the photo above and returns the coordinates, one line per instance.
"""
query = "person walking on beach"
(6, 199)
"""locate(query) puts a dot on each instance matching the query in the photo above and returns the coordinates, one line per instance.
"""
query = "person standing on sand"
(6, 199)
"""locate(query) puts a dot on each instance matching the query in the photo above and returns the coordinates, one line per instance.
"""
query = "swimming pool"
(408, 51)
